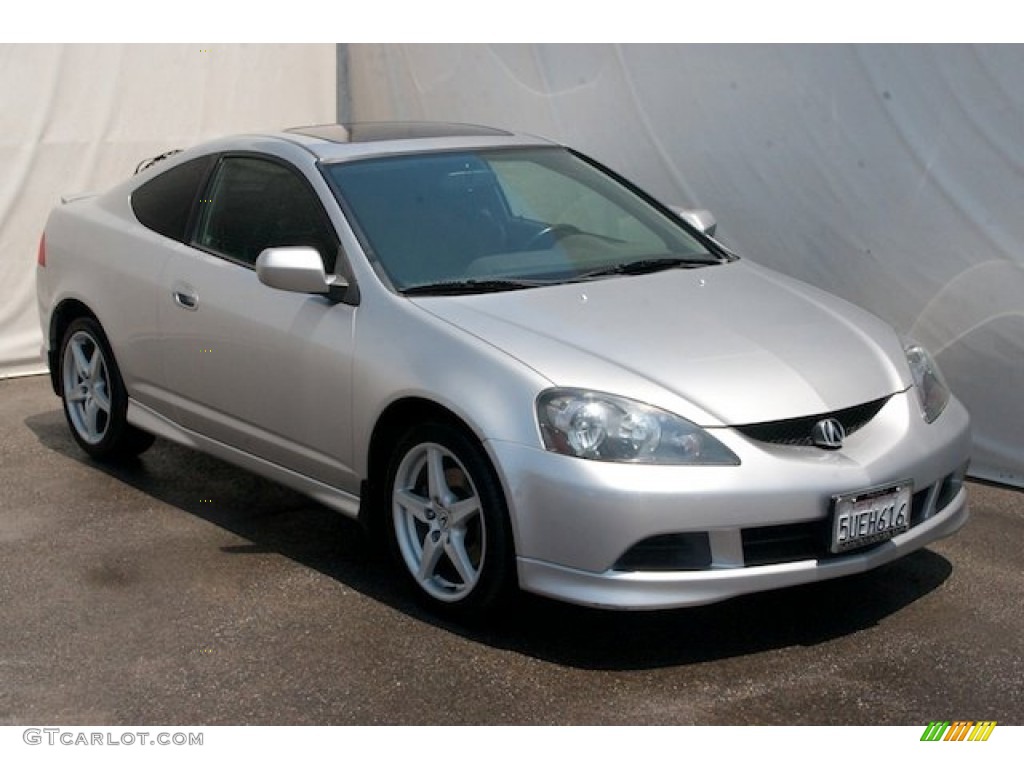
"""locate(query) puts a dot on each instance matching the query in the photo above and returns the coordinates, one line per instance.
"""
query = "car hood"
(722, 345)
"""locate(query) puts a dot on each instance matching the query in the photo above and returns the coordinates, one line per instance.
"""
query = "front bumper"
(656, 590)
(574, 519)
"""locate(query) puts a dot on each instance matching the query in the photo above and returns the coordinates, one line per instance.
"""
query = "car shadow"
(275, 519)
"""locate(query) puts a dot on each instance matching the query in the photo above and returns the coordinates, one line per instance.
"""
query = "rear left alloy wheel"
(95, 401)
(449, 524)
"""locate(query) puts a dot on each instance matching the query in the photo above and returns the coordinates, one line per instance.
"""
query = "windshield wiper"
(646, 266)
(455, 287)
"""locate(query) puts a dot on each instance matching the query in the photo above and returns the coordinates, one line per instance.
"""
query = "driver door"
(265, 371)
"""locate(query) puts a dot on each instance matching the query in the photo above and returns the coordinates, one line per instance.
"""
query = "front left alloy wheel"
(449, 524)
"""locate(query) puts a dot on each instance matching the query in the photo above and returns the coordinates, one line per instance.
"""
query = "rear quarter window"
(164, 203)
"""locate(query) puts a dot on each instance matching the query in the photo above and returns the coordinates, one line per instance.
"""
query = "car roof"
(337, 142)
(342, 141)
(390, 131)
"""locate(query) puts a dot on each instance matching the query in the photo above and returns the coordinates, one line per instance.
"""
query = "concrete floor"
(178, 589)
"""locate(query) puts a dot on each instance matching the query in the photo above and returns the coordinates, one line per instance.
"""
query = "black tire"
(448, 522)
(93, 393)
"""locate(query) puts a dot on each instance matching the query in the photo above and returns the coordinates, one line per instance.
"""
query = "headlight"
(593, 425)
(932, 390)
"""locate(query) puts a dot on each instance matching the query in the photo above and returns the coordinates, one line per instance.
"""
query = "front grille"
(798, 431)
(788, 543)
(766, 544)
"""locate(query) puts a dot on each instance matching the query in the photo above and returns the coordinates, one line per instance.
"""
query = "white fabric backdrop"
(891, 175)
(79, 118)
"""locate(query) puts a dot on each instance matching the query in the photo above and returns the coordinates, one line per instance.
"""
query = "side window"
(164, 203)
(254, 204)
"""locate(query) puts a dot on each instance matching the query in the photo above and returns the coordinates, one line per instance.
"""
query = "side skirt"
(145, 418)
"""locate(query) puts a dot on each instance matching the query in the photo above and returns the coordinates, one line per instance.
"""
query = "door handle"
(185, 299)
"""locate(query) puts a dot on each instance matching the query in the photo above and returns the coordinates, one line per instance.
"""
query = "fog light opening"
(668, 552)
(950, 487)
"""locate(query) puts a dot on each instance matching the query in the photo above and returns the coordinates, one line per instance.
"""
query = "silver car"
(515, 365)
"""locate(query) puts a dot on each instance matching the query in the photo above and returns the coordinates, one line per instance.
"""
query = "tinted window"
(164, 203)
(254, 204)
(535, 215)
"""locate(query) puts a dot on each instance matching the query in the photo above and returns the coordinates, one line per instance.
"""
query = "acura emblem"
(828, 433)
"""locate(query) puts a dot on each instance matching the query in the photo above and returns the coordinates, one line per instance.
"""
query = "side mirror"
(298, 269)
(702, 220)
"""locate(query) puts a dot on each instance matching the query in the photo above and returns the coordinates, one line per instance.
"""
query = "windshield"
(503, 219)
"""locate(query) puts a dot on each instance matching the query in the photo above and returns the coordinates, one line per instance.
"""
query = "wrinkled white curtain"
(891, 175)
(79, 118)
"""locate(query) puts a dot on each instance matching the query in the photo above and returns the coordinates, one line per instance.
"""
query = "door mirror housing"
(298, 269)
(699, 218)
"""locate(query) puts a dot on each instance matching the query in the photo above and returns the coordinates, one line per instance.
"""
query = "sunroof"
(360, 132)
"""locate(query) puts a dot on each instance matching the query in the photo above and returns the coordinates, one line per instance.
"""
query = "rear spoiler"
(148, 163)
(65, 199)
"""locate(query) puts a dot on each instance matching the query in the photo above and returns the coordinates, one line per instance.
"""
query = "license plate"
(867, 517)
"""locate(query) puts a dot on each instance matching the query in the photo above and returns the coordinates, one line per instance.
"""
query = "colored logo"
(959, 730)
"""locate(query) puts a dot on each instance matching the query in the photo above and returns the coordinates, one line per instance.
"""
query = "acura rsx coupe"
(515, 365)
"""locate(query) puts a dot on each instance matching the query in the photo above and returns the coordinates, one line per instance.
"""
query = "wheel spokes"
(438, 521)
(413, 504)
(462, 512)
(81, 361)
(80, 393)
(87, 390)
(433, 548)
(101, 396)
(96, 368)
(436, 481)
(91, 411)
(455, 548)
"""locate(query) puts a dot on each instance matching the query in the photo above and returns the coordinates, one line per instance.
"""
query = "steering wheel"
(554, 231)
